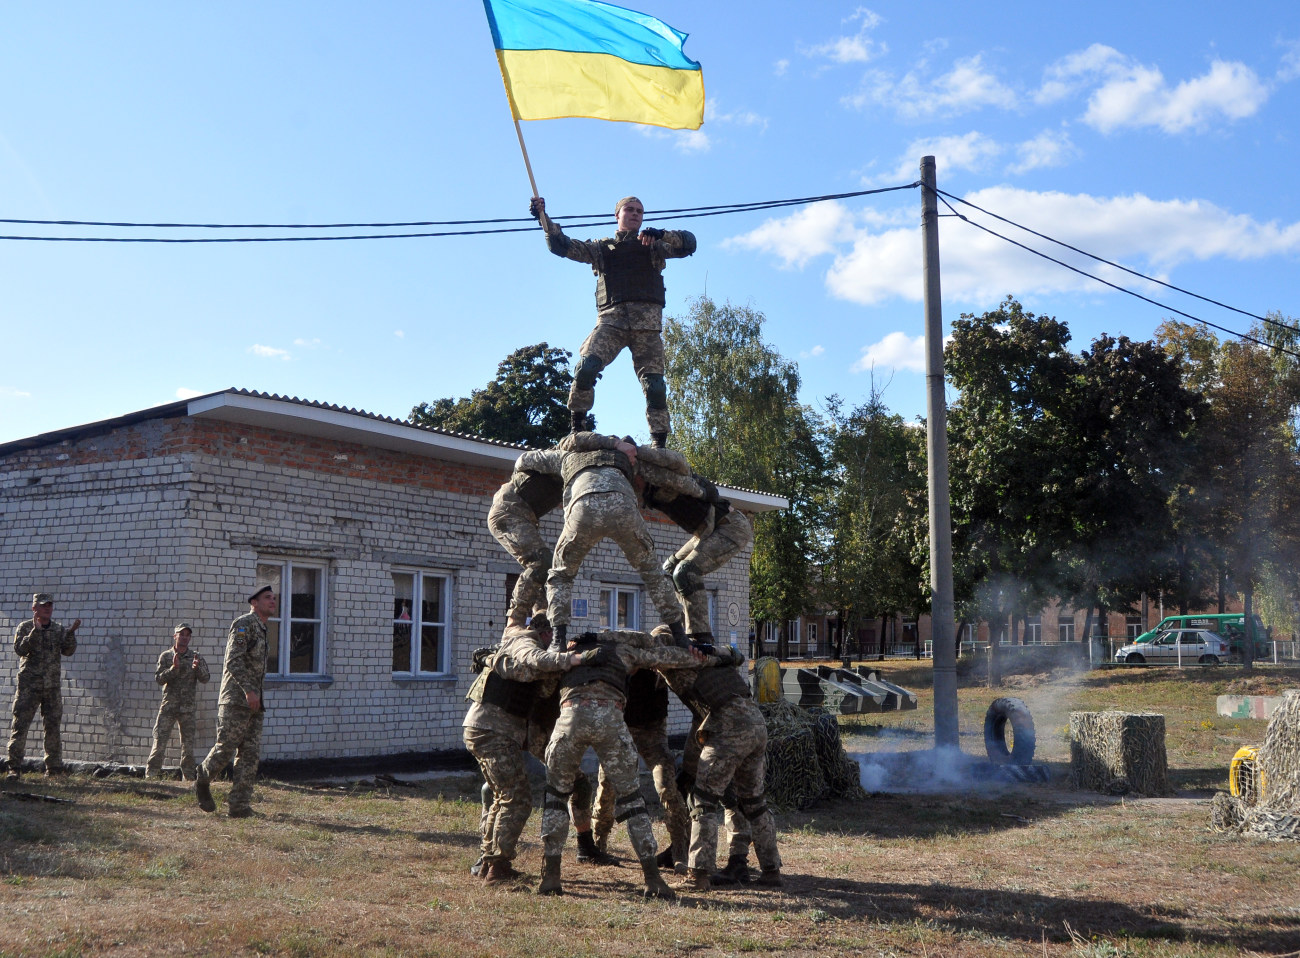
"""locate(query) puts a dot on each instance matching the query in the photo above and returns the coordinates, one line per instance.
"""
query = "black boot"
(659, 440)
(202, 792)
(577, 421)
(550, 876)
(679, 635)
(589, 854)
(737, 871)
(655, 886)
(559, 639)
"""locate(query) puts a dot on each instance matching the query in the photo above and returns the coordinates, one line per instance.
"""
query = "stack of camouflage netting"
(1119, 752)
(1276, 814)
(806, 761)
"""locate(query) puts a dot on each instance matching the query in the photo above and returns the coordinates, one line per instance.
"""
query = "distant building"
(373, 530)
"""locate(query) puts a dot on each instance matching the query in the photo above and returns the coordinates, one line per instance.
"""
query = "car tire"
(1209, 660)
(999, 714)
(1136, 658)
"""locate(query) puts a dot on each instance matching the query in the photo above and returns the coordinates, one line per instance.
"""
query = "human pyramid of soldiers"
(542, 689)
(555, 694)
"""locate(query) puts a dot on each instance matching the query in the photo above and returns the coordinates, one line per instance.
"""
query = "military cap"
(624, 201)
(265, 588)
(540, 622)
(42, 598)
(182, 627)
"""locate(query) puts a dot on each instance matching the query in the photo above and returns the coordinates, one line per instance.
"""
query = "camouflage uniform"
(600, 503)
(533, 490)
(239, 728)
(179, 678)
(646, 716)
(496, 730)
(732, 740)
(628, 314)
(591, 716)
(40, 686)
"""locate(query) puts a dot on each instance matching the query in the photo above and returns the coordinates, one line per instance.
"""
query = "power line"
(690, 212)
(1115, 286)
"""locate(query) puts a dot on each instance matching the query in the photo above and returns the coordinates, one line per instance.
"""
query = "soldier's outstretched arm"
(587, 442)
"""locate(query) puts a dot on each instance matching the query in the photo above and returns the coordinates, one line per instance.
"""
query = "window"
(1132, 626)
(421, 623)
(295, 635)
(1034, 630)
(713, 612)
(1065, 627)
(792, 627)
(812, 633)
(619, 608)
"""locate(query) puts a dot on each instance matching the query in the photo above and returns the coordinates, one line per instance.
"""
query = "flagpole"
(523, 149)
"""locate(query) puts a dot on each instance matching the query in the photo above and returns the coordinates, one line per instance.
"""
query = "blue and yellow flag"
(583, 58)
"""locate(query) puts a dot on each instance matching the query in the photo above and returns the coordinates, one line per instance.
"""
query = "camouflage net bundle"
(1119, 752)
(1277, 814)
(805, 758)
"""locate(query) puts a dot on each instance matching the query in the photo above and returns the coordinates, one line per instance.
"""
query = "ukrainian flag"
(583, 58)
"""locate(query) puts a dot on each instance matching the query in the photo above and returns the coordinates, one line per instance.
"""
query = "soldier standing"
(40, 644)
(732, 740)
(600, 502)
(630, 300)
(240, 709)
(496, 731)
(533, 490)
(180, 670)
(592, 697)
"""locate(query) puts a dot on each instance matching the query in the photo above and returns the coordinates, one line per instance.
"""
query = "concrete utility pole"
(936, 445)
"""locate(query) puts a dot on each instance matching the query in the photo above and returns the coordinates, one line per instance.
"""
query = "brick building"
(373, 530)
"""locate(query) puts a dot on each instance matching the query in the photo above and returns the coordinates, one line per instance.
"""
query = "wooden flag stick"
(520, 133)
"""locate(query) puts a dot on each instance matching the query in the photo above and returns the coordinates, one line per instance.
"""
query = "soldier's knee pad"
(704, 804)
(582, 792)
(687, 578)
(556, 800)
(587, 372)
(625, 806)
(656, 391)
(751, 808)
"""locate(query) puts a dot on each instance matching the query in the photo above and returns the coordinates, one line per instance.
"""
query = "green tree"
(737, 418)
(525, 404)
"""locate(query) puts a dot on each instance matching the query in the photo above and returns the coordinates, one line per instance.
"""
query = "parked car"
(1174, 645)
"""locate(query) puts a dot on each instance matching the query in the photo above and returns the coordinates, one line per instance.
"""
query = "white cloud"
(12, 392)
(400, 334)
(308, 343)
(874, 262)
(967, 86)
(1289, 69)
(860, 47)
(1126, 93)
(713, 113)
(1049, 148)
(268, 352)
(780, 67)
(184, 392)
(970, 151)
(895, 351)
(813, 231)
(812, 353)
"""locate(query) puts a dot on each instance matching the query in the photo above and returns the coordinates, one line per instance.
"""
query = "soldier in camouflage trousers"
(496, 731)
(599, 503)
(592, 697)
(630, 298)
(533, 490)
(240, 709)
(732, 739)
(40, 644)
(180, 670)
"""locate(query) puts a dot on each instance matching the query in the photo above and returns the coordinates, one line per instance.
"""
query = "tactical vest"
(576, 462)
(647, 699)
(629, 275)
(716, 686)
(613, 673)
(542, 492)
(687, 511)
(509, 695)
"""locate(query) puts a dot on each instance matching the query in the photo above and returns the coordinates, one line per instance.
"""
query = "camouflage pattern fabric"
(733, 745)
(514, 524)
(239, 739)
(635, 327)
(651, 743)
(540, 726)
(739, 833)
(501, 759)
(179, 676)
(728, 538)
(40, 652)
(244, 667)
(589, 721)
(598, 515)
(170, 716)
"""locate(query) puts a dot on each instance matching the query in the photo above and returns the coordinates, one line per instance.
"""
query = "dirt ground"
(122, 866)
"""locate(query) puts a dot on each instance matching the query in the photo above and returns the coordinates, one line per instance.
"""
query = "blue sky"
(1166, 142)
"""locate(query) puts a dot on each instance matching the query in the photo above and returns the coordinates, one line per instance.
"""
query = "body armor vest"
(509, 695)
(576, 462)
(716, 686)
(647, 699)
(687, 511)
(613, 673)
(542, 492)
(629, 275)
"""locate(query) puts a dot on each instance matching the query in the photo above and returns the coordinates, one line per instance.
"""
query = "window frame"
(418, 576)
(608, 613)
(284, 636)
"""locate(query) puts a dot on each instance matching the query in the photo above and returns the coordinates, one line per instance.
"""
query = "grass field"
(129, 867)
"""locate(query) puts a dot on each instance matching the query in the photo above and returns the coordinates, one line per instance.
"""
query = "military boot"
(770, 878)
(476, 869)
(737, 870)
(550, 876)
(577, 421)
(655, 886)
(589, 854)
(679, 635)
(202, 792)
(659, 440)
(697, 879)
(665, 858)
(559, 639)
(498, 871)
